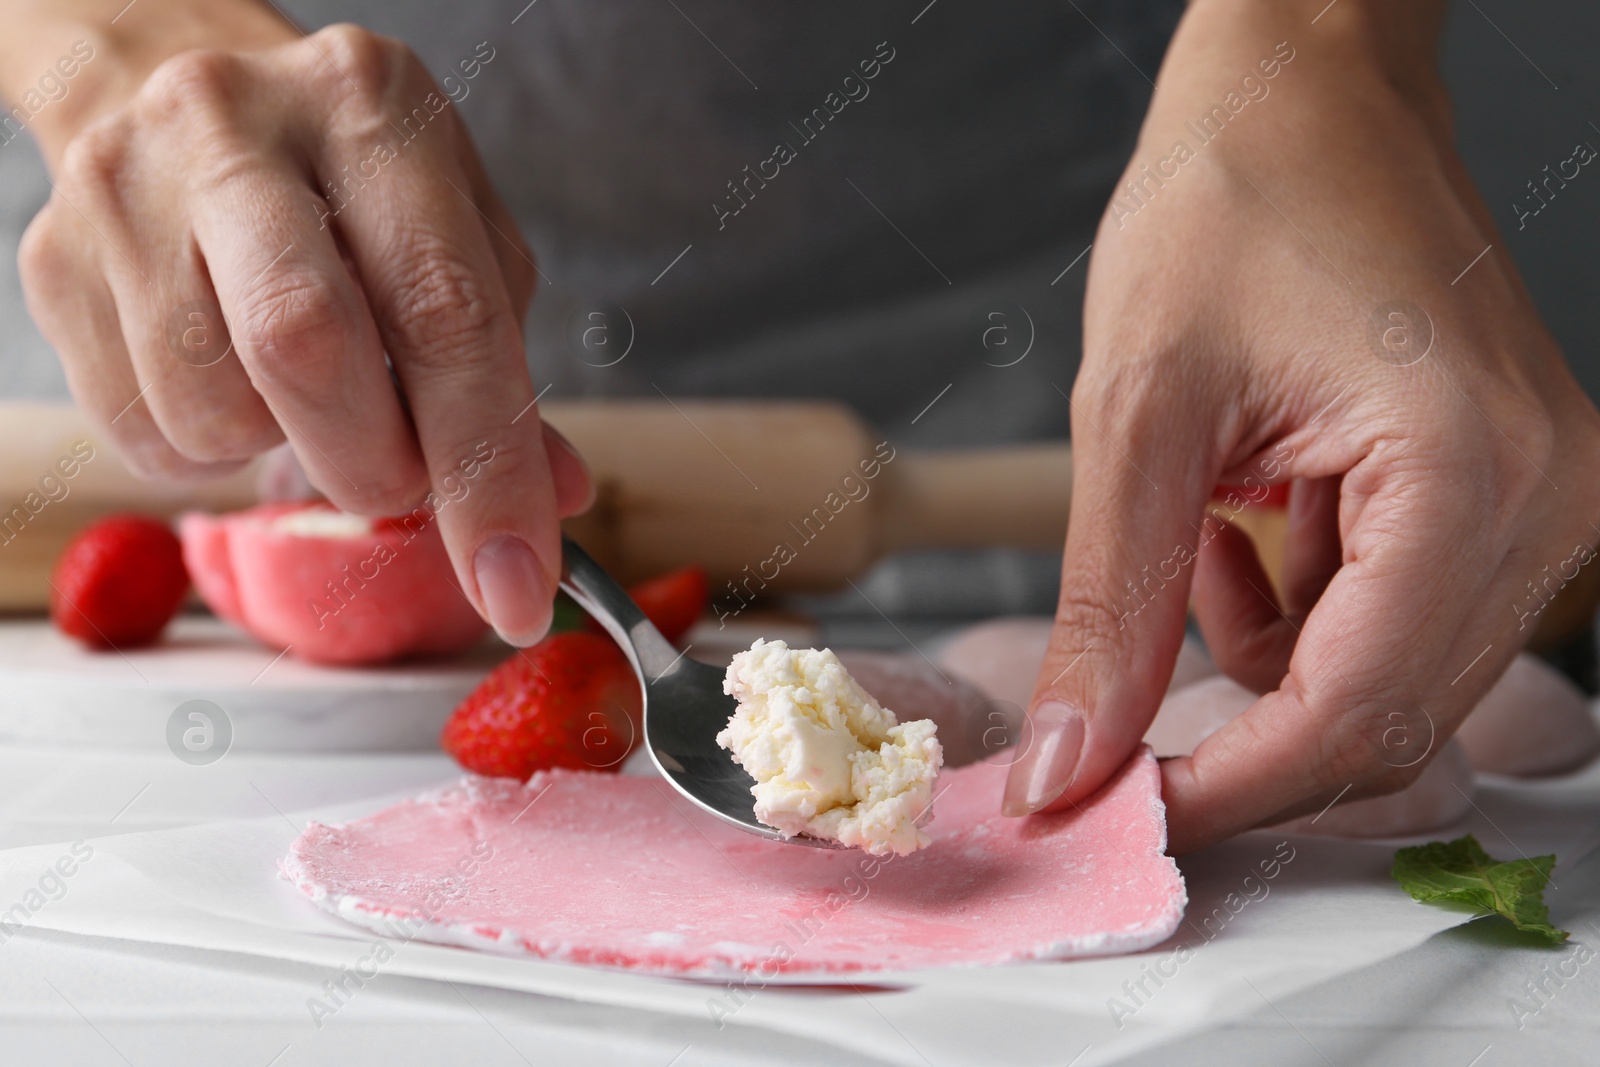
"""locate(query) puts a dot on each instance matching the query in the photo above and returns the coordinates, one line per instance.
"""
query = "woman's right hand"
(230, 254)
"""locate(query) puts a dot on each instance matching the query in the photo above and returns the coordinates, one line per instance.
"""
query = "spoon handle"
(598, 593)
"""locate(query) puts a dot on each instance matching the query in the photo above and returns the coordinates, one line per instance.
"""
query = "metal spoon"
(684, 705)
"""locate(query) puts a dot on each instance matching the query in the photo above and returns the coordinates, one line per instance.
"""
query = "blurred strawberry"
(119, 582)
(674, 602)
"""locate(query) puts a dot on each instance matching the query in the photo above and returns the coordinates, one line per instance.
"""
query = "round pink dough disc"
(622, 872)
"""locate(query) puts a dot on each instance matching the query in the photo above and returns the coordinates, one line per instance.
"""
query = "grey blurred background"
(991, 142)
(1525, 90)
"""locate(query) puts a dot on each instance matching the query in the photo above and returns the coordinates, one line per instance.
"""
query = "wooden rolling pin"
(724, 484)
(769, 496)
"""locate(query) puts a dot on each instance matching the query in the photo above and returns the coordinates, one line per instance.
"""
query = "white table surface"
(66, 998)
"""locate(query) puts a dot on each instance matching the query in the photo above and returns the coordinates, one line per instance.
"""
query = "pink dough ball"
(1002, 657)
(1190, 715)
(1439, 796)
(357, 592)
(1533, 721)
(913, 688)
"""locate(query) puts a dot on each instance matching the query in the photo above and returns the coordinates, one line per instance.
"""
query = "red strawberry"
(674, 601)
(572, 701)
(119, 582)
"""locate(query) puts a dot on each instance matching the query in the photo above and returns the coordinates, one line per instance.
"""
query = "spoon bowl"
(684, 703)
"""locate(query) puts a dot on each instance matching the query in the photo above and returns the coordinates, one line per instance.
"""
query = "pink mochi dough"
(1193, 713)
(1002, 657)
(329, 599)
(1533, 721)
(618, 871)
(1441, 795)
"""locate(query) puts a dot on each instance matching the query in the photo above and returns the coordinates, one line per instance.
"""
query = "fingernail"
(516, 596)
(1043, 773)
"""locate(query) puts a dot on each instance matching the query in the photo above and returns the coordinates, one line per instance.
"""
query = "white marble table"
(67, 998)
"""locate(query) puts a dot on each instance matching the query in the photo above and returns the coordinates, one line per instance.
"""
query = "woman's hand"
(1309, 290)
(239, 237)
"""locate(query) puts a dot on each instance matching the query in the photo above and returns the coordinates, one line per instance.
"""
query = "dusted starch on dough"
(618, 871)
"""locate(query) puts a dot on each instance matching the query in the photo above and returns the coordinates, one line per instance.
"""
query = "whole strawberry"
(119, 582)
(570, 701)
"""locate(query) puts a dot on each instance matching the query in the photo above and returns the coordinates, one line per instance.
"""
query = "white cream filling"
(323, 522)
(828, 760)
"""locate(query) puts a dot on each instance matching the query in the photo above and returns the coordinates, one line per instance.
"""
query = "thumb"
(1131, 546)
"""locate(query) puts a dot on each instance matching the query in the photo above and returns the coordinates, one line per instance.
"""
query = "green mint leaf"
(1461, 871)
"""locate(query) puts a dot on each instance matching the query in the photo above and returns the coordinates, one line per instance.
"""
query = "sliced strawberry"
(119, 582)
(412, 523)
(1276, 496)
(570, 701)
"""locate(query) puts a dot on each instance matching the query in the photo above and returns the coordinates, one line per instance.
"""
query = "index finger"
(1138, 483)
(449, 324)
